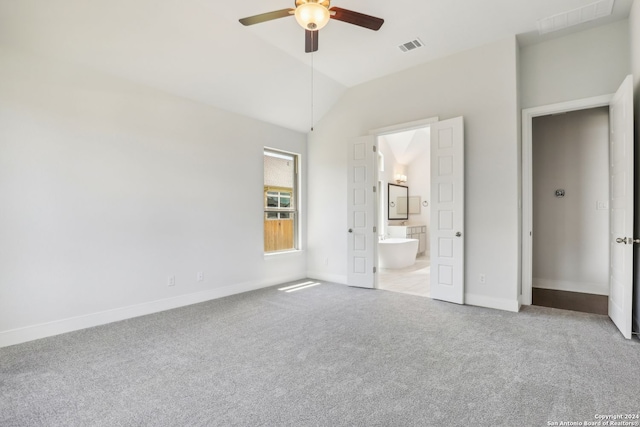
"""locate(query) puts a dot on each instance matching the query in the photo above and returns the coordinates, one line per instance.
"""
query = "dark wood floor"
(586, 303)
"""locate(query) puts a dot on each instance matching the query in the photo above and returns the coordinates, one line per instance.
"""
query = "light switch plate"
(602, 206)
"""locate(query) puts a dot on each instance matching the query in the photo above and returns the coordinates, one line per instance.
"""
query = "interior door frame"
(401, 127)
(527, 179)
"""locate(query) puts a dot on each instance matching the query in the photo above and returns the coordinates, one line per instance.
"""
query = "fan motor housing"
(325, 3)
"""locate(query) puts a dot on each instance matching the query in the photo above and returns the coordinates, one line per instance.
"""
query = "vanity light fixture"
(401, 179)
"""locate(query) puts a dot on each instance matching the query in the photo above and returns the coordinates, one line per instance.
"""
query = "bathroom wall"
(419, 177)
(390, 163)
(391, 168)
(413, 148)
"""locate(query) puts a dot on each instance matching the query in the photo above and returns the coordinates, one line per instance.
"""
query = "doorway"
(570, 171)
(404, 160)
(621, 199)
(446, 207)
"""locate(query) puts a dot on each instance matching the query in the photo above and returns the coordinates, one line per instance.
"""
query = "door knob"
(458, 234)
(351, 230)
(627, 240)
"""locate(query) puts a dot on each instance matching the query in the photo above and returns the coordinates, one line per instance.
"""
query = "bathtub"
(397, 253)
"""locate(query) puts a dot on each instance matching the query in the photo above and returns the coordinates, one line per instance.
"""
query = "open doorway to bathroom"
(404, 218)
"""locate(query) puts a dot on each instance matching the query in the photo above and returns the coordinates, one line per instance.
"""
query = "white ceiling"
(199, 50)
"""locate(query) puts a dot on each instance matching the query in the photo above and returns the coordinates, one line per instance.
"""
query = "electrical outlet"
(200, 276)
(482, 278)
(171, 281)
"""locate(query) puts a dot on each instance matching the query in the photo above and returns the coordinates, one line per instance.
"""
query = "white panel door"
(621, 208)
(447, 210)
(361, 212)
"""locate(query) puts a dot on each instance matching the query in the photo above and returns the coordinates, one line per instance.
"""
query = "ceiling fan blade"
(269, 16)
(356, 18)
(311, 41)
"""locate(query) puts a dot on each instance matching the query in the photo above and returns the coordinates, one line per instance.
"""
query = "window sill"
(292, 252)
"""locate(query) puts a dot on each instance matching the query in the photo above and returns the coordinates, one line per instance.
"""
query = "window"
(277, 201)
(280, 201)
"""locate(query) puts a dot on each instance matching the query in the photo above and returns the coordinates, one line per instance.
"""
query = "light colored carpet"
(325, 356)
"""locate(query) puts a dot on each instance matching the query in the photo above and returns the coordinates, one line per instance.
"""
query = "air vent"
(577, 16)
(413, 44)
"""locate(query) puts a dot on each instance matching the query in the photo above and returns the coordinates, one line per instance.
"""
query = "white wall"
(580, 65)
(479, 84)
(419, 181)
(417, 171)
(570, 236)
(391, 168)
(414, 171)
(108, 188)
(634, 42)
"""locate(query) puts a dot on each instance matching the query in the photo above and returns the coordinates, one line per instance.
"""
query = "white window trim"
(297, 196)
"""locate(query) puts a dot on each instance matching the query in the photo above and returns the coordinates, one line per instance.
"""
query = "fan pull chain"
(312, 89)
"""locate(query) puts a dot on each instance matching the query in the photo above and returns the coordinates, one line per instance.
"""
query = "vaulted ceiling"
(198, 49)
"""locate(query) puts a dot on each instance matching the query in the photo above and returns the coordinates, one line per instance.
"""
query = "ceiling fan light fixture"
(312, 16)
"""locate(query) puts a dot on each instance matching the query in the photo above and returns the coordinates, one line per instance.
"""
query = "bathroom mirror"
(398, 197)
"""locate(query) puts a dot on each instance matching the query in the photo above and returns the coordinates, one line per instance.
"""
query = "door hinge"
(374, 189)
(375, 270)
(375, 149)
(375, 229)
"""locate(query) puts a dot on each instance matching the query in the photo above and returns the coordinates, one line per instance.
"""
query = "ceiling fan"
(312, 15)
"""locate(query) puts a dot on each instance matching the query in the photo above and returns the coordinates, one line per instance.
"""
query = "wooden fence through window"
(278, 235)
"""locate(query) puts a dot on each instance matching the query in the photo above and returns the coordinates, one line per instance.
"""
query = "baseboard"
(43, 330)
(570, 286)
(490, 302)
(334, 278)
